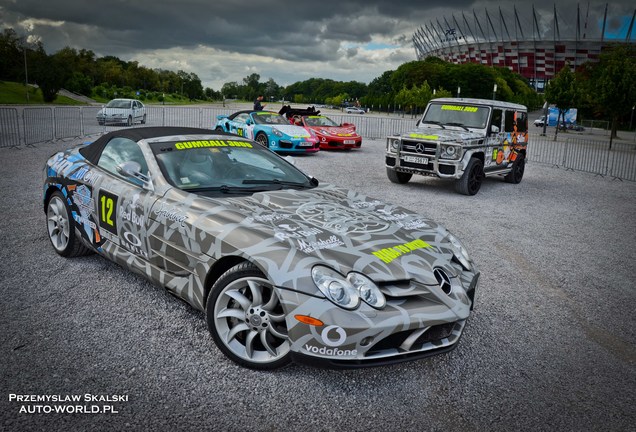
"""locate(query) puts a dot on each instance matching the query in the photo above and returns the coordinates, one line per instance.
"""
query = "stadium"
(534, 43)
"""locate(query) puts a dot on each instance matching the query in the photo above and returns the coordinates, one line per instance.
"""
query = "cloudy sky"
(287, 40)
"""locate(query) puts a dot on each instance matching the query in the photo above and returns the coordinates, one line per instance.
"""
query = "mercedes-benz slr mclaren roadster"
(284, 268)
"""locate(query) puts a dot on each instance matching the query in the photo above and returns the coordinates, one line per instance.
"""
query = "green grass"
(12, 93)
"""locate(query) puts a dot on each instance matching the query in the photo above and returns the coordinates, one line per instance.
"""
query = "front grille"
(426, 148)
(415, 340)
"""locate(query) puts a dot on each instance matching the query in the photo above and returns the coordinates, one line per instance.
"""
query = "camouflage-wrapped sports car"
(284, 268)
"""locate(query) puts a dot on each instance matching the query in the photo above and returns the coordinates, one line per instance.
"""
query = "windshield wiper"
(276, 182)
(433, 122)
(461, 125)
(225, 189)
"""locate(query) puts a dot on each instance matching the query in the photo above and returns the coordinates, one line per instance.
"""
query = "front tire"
(470, 182)
(246, 319)
(61, 229)
(397, 176)
(129, 122)
(261, 138)
(518, 168)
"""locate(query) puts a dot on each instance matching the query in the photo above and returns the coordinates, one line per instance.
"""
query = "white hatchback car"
(354, 110)
(122, 111)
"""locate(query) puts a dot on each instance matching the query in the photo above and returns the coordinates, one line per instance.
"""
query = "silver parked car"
(122, 111)
(354, 110)
(283, 267)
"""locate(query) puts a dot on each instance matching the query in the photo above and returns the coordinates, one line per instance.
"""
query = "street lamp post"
(459, 91)
(26, 75)
(494, 92)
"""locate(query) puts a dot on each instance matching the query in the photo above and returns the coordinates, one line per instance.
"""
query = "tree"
(562, 91)
(615, 83)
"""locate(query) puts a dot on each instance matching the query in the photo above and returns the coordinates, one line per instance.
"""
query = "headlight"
(324, 132)
(459, 251)
(277, 132)
(335, 287)
(367, 290)
(450, 152)
(393, 144)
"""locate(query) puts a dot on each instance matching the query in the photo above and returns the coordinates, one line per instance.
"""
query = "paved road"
(550, 346)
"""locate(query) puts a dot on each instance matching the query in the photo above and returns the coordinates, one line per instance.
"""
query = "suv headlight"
(393, 144)
(450, 152)
(459, 251)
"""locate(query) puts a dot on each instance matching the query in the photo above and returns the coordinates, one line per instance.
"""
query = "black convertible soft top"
(93, 151)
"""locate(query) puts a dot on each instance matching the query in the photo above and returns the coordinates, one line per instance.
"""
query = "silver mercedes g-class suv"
(464, 140)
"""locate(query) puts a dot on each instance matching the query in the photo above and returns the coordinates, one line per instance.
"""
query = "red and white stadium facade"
(537, 51)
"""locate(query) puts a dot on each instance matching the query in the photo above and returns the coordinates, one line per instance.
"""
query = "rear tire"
(518, 168)
(61, 228)
(397, 176)
(470, 182)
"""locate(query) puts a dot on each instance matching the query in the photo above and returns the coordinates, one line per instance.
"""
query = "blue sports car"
(269, 129)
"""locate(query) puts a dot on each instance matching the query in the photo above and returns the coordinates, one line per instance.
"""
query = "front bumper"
(410, 327)
(294, 146)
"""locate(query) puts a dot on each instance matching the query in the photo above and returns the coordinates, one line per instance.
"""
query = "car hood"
(444, 135)
(115, 110)
(334, 130)
(292, 131)
(287, 232)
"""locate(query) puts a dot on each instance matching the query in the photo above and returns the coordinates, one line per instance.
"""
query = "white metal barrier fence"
(31, 125)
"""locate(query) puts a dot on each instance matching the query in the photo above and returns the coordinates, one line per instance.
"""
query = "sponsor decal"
(389, 254)
(84, 174)
(338, 218)
(366, 204)
(131, 216)
(459, 108)
(339, 340)
(330, 351)
(184, 145)
(83, 198)
(295, 232)
(172, 214)
(312, 246)
(412, 224)
(422, 136)
(267, 217)
(131, 242)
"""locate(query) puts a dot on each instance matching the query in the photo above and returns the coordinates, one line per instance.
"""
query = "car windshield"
(118, 103)
(470, 116)
(217, 167)
(269, 118)
(320, 121)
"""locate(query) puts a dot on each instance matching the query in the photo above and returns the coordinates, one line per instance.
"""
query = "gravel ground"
(550, 346)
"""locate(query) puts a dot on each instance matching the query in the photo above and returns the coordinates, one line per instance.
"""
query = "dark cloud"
(285, 38)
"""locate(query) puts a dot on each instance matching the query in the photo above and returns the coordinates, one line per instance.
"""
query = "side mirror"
(494, 129)
(248, 122)
(132, 169)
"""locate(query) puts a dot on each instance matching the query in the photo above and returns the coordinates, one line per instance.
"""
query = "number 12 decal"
(108, 211)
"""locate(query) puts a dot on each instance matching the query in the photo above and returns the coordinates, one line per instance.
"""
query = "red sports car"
(331, 135)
